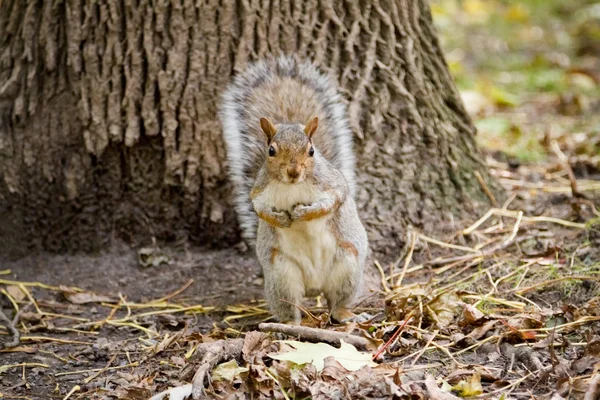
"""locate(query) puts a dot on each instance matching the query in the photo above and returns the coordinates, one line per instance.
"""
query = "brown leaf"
(86, 297)
(592, 348)
(472, 316)
(253, 347)
(585, 363)
(479, 332)
(333, 370)
(443, 309)
(16, 292)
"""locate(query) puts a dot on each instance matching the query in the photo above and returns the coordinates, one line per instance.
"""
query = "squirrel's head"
(290, 150)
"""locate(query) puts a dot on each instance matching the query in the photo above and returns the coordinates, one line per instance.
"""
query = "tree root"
(212, 354)
(316, 335)
(12, 328)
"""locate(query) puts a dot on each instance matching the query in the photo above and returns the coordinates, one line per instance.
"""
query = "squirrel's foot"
(345, 316)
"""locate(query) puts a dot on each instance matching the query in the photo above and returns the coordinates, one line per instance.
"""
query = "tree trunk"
(108, 122)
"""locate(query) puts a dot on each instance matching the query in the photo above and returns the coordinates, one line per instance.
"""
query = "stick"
(407, 260)
(486, 189)
(212, 354)
(567, 166)
(315, 334)
(12, 327)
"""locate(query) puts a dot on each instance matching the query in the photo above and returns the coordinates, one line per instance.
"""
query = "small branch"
(567, 166)
(407, 260)
(12, 327)
(486, 189)
(212, 354)
(315, 334)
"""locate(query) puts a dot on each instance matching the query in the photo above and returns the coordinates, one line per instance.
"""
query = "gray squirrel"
(290, 159)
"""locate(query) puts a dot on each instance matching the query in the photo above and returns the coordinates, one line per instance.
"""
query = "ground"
(509, 307)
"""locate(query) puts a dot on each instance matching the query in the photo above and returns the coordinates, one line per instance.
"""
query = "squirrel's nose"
(293, 171)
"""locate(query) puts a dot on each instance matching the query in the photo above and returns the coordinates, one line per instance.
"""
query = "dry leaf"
(316, 353)
(469, 387)
(16, 292)
(86, 297)
(227, 371)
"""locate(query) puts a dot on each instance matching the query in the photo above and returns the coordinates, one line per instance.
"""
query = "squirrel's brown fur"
(291, 163)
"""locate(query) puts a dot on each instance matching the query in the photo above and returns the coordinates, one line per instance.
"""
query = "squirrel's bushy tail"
(243, 104)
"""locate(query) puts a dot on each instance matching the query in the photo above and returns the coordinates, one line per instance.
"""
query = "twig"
(133, 364)
(407, 260)
(420, 353)
(486, 189)
(315, 334)
(515, 214)
(175, 293)
(552, 281)
(515, 230)
(448, 245)
(382, 275)
(567, 166)
(212, 354)
(75, 389)
(278, 384)
(398, 331)
(12, 327)
(97, 374)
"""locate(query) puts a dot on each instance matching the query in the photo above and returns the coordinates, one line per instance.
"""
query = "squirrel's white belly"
(310, 243)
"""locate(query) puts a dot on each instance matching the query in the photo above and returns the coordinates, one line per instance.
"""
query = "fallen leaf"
(15, 292)
(471, 315)
(479, 332)
(469, 387)
(443, 309)
(86, 297)
(176, 393)
(316, 353)
(227, 371)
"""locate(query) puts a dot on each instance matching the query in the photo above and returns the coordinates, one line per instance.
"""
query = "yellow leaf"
(228, 371)
(316, 353)
(470, 387)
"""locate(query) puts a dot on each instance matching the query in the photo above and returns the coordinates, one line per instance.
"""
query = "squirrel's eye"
(272, 151)
(311, 152)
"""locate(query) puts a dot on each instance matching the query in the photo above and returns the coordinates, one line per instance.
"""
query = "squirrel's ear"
(268, 128)
(311, 127)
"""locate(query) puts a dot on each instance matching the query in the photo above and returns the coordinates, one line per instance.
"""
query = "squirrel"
(291, 163)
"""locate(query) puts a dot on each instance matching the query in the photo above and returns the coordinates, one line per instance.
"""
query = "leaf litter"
(507, 307)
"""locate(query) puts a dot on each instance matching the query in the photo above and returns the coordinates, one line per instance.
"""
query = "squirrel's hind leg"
(342, 284)
(284, 288)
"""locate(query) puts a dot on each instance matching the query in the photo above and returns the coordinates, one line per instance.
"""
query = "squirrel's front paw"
(282, 218)
(299, 211)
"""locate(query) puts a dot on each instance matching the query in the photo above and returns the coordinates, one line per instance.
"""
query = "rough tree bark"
(108, 126)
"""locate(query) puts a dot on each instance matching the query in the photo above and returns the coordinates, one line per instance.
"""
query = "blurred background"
(529, 72)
